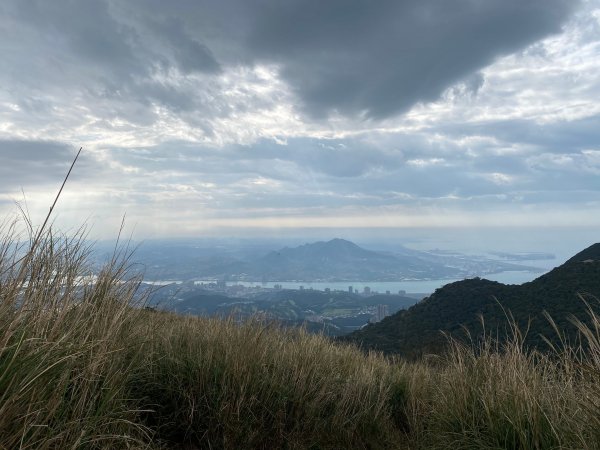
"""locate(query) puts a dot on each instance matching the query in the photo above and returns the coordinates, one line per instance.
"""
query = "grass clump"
(255, 385)
(62, 365)
(494, 395)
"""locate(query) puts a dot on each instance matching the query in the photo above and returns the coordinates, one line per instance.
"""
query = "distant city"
(353, 307)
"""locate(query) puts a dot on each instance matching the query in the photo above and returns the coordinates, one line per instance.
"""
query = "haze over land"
(336, 260)
(376, 121)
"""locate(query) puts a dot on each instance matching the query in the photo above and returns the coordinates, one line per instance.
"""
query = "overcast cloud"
(199, 115)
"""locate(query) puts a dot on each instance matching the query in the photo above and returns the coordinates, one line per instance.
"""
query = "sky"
(206, 118)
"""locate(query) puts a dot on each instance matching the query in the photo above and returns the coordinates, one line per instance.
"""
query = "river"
(416, 286)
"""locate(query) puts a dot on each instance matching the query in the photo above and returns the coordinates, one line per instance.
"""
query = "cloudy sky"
(204, 117)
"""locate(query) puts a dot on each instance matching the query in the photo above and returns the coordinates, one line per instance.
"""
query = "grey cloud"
(89, 31)
(310, 173)
(474, 83)
(558, 137)
(85, 50)
(382, 57)
(190, 54)
(338, 158)
(343, 158)
(364, 57)
(23, 163)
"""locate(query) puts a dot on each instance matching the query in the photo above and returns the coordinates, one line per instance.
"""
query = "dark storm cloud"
(362, 57)
(383, 56)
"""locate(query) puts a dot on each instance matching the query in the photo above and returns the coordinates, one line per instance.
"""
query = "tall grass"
(62, 334)
(82, 365)
(494, 395)
(221, 384)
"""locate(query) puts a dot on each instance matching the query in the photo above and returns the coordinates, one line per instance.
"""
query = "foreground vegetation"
(83, 366)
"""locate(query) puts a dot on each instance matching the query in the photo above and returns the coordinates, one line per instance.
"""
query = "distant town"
(334, 311)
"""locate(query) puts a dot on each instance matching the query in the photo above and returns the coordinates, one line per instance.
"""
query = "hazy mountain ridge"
(417, 331)
(333, 260)
(342, 260)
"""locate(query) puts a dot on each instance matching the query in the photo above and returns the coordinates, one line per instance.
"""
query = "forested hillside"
(563, 292)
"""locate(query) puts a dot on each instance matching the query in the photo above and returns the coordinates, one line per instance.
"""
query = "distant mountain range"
(334, 260)
(418, 330)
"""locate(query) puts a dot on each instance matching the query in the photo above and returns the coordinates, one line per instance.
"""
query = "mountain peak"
(335, 248)
(338, 242)
(340, 259)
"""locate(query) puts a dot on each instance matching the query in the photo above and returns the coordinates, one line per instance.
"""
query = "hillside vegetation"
(81, 366)
(477, 305)
(340, 312)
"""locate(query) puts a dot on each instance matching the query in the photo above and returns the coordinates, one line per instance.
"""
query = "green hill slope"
(460, 305)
